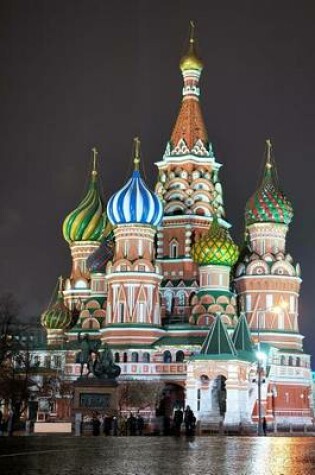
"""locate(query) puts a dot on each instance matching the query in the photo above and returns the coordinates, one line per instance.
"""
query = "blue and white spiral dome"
(135, 204)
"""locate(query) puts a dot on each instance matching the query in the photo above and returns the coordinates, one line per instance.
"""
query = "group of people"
(171, 424)
(121, 425)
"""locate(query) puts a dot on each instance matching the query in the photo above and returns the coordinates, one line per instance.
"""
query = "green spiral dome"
(268, 204)
(88, 221)
(57, 316)
(216, 247)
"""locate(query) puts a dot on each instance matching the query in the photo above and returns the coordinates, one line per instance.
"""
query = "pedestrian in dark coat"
(178, 420)
(189, 421)
(96, 425)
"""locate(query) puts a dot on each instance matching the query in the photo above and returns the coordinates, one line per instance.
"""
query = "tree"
(15, 356)
(9, 309)
(139, 395)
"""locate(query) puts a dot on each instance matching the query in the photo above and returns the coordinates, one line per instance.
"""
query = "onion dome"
(88, 221)
(190, 60)
(135, 203)
(268, 204)
(216, 247)
(58, 316)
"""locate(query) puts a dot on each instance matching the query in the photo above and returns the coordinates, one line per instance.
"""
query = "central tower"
(189, 187)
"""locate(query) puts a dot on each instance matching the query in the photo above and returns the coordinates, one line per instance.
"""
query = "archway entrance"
(175, 394)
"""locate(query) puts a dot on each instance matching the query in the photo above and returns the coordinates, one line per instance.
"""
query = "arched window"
(117, 357)
(168, 302)
(180, 356)
(125, 358)
(282, 360)
(173, 249)
(146, 357)
(298, 361)
(181, 298)
(290, 361)
(134, 357)
(167, 357)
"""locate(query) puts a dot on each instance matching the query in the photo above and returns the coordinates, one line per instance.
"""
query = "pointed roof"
(242, 337)
(218, 344)
(190, 128)
(189, 124)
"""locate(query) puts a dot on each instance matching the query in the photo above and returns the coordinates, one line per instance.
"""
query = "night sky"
(77, 74)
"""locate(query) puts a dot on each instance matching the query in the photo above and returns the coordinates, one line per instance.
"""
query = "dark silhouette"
(131, 425)
(178, 420)
(96, 424)
(139, 424)
(107, 424)
(190, 421)
(264, 425)
(99, 364)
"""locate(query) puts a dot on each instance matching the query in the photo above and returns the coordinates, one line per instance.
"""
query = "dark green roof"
(241, 337)
(218, 341)
(215, 293)
(180, 340)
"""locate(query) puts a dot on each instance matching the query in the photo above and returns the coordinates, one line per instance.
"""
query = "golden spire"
(136, 160)
(268, 159)
(60, 285)
(192, 32)
(95, 156)
(191, 60)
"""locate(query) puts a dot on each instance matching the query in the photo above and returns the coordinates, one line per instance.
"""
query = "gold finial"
(136, 159)
(60, 282)
(269, 147)
(192, 32)
(191, 60)
(95, 155)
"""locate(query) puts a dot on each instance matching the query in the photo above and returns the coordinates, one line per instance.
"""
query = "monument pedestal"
(95, 394)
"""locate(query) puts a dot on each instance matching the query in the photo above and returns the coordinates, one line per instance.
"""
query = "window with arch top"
(173, 249)
(180, 356)
(167, 357)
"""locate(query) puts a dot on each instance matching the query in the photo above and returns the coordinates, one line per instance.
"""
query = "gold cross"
(95, 155)
(136, 159)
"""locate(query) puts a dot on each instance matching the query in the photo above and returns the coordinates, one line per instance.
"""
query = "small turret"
(268, 204)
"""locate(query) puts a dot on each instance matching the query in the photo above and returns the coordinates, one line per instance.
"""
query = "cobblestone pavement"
(61, 455)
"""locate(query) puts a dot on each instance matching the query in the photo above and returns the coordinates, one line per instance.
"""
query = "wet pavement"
(63, 455)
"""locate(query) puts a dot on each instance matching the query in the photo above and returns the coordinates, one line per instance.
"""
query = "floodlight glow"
(261, 356)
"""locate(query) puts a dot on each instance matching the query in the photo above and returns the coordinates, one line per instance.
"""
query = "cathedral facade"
(157, 277)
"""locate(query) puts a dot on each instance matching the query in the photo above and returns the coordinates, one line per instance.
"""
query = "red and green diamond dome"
(268, 204)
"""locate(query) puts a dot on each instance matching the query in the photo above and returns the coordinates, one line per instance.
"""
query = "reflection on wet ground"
(157, 455)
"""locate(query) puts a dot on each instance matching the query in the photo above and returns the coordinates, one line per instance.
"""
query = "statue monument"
(99, 364)
(96, 387)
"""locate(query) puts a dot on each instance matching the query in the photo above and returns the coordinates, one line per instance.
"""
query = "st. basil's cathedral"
(157, 276)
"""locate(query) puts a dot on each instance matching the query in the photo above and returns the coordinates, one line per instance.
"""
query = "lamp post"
(259, 370)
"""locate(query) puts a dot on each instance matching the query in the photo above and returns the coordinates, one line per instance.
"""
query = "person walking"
(10, 423)
(96, 424)
(131, 424)
(264, 425)
(178, 420)
(139, 423)
(189, 421)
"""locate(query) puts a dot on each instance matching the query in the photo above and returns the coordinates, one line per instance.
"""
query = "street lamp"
(260, 358)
